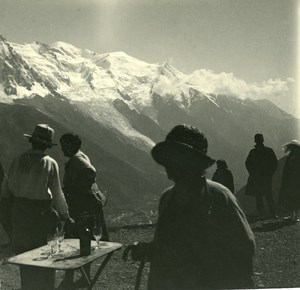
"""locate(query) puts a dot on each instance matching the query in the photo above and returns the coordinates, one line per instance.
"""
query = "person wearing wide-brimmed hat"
(202, 239)
(289, 195)
(33, 181)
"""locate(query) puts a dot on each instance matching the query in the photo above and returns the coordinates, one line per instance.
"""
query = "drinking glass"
(60, 233)
(52, 243)
(97, 232)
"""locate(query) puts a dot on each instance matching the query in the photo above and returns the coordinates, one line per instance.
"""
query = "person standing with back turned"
(261, 164)
(33, 181)
(223, 175)
(82, 194)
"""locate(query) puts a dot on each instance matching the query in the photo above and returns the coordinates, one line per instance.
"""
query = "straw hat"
(43, 134)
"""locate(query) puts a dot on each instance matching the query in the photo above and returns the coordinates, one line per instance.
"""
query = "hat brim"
(166, 152)
(288, 145)
(40, 140)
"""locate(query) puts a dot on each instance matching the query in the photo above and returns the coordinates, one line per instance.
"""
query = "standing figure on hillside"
(261, 164)
(223, 175)
(33, 181)
(83, 196)
(202, 239)
(289, 196)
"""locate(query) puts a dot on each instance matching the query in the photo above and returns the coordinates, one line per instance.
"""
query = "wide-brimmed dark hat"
(184, 145)
(43, 134)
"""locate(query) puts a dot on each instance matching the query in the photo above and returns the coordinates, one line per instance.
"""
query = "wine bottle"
(84, 238)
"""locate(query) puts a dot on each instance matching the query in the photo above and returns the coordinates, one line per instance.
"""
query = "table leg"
(85, 275)
(99, 271)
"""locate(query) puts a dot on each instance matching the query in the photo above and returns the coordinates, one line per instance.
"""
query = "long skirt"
(30, 229)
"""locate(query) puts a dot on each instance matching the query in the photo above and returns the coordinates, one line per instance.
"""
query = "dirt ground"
(276, 264)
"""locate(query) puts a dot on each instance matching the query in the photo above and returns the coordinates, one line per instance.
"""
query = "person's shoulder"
(269, 149)
(80, 158)
(253, 150)
(217, 187)
(50, 160)
(223, 197)
(219, 192)
(167, 193)
(165, 197)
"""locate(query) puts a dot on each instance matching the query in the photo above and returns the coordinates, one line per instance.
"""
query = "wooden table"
(69, 257)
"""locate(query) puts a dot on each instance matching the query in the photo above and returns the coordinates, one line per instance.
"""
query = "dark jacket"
(79, 176)
(289, 195)
(261, 164)
(82, 193)
(225, 177)
(204, 244)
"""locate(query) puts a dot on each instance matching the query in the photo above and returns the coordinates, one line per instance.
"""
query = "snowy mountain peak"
(85, 76)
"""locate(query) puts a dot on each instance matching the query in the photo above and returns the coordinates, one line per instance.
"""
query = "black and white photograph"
(149, 144)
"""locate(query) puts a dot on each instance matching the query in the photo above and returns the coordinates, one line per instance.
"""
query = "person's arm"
(231, 182)
(274, 161)
(214, 178)
(249, 163)
(5, 190)
(59, 201)
(88, 177)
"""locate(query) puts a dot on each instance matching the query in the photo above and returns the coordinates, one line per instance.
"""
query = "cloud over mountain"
(228, 84)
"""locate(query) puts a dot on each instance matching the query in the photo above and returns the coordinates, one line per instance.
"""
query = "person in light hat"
(289, 195)
(202, 239)
(33, 182)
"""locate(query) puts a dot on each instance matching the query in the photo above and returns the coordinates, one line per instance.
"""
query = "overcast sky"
(255, 40)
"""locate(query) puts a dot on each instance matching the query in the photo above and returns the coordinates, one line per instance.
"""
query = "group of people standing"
(38, 203)
(261, 164)
(202, 238)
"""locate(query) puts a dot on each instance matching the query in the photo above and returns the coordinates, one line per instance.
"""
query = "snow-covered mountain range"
(121, 107)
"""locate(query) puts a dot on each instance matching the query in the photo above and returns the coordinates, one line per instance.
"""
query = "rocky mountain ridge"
(121, 107)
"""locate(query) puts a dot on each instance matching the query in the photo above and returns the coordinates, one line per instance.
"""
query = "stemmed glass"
(97, 232)
(60, 233)
(52, 242)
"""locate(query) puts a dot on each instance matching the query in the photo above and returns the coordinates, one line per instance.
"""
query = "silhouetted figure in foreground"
(289, 196)
(202, 239)
(33, 181)
(223, 175)
(261, 164)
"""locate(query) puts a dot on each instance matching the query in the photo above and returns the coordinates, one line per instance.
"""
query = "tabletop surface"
(68, 258)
